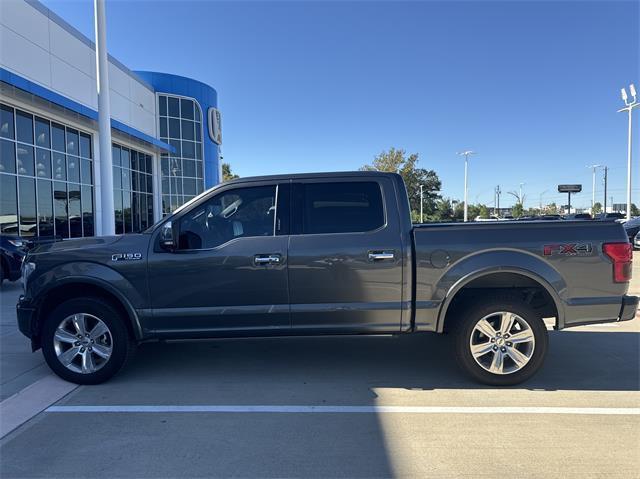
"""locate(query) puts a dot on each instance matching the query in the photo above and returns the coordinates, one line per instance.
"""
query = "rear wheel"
(500, 341)
(85, 341)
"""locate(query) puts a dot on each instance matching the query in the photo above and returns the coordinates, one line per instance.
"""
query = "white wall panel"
(119, 81)
(26, 20)
(141, 95)
(68, 48)
(24, 57)
(120, 109)
(71, 83)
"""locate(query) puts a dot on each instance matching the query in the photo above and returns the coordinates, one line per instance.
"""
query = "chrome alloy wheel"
(83, 343)
(502, 342)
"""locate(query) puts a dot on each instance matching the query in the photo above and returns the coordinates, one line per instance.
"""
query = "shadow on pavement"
(355, 365)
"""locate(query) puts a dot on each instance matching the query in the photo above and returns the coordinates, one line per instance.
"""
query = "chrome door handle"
(380, 255)
(267, 259)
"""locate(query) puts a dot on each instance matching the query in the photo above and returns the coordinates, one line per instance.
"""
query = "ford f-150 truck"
(323, 254)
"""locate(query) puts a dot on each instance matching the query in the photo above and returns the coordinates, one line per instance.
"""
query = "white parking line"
(345, 409)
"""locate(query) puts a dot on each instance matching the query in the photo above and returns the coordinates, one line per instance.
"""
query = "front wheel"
(500, 341)
(85, 341)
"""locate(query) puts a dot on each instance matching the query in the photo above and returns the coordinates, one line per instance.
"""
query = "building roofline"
(80, 36)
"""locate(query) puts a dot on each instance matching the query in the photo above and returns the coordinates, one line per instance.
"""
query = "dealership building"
(165, 132)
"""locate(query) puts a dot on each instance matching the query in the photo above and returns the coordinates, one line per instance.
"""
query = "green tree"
(227, 174)
(634, 210)
(443, 210)
(551, 209)
(517, 210)
(397, 161)
(483, 212)
(597, 208)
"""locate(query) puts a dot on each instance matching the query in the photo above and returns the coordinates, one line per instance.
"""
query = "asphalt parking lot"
(326, 407)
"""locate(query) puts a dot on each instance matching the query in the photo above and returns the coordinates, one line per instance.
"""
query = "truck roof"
(331, 174)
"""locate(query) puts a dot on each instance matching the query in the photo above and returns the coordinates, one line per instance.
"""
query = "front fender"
(94, 274)
(503, 261)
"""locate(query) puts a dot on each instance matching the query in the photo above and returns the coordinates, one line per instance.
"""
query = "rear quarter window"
(341, 207)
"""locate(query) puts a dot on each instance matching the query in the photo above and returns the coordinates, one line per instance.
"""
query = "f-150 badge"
(568, 249)
(126, 256)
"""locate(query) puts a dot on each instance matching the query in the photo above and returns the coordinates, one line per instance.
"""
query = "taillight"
(621, 254)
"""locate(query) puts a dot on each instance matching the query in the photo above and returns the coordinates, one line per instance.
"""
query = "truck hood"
(75, 244)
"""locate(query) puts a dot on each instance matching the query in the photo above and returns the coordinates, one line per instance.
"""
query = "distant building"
(165, 131)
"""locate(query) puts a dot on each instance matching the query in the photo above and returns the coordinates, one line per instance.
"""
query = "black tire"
(122, 343)
(467, 317)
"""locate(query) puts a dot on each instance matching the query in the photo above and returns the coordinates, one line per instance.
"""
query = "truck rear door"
(345, 256)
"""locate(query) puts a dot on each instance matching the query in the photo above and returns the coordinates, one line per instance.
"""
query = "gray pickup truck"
(323, 254)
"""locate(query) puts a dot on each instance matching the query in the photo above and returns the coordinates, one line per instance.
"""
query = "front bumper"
(629, 308)
(26, 317)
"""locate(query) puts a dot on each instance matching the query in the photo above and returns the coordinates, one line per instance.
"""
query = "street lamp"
(593, 186)
(629, 106)
(421, 202)
(466, 154)
(541, 194)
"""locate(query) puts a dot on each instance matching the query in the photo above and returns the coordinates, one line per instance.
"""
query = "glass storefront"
(46, 177)
(132, 189)
(180, 125)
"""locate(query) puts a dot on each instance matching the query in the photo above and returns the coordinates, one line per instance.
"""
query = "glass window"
(115, 155)
(86, 171)
(198, 128)
(189, 168)
(43, 136)
(85, 146)
(125, 158)
(126, 179)
(174, 128)
(27, 205)
(8, 205)
(59, 166)
(163, 128)
(117, 178)
(341, 207)
(24, 127)
(188, 130)
(174, 107)
(43, 163)
(162, 105)
(186, 109)
(188, 149)
(237, 213)
(190, 186)
(75, 211)
(117, 205)
(87, 210)
(60, 209)
(45, 208)
(73, 168)
(6, 122)
(7, 156)
(25, 163)
(126, 211)
(72, 142)
(57, 137)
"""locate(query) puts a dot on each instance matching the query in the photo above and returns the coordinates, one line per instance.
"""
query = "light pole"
(466, 155)
(593, 186)
(421, 202)
(629, 106)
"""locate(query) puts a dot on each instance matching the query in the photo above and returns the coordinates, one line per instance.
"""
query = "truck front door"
(345, 256)
(229, 271)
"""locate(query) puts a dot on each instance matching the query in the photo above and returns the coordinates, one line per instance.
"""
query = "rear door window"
(339, 207)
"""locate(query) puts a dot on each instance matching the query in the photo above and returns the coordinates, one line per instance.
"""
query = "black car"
(577, 216)
(632, 227)
(12, 251)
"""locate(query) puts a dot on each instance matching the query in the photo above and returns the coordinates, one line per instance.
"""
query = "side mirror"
(167, 241)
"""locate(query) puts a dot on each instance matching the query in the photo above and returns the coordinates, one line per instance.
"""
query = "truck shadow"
(351, 367)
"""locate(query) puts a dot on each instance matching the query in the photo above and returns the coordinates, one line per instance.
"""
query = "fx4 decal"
(568, 249)
(126, 256)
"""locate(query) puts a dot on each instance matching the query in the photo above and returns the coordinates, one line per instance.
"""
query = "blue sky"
(533, 87)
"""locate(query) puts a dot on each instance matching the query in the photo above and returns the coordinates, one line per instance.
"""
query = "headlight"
(18, 243)
(27, 269)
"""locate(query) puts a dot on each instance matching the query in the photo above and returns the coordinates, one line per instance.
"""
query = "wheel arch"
(74, 287)
(496, 275)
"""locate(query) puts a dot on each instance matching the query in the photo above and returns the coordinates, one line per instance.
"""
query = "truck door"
(229, 271)
(345, 256)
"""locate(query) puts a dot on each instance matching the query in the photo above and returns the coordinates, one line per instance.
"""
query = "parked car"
(323, 254)
(12, 251)
(632, 227)
(577, 216)
(611, 216)
(636, 241)
(550, 218)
